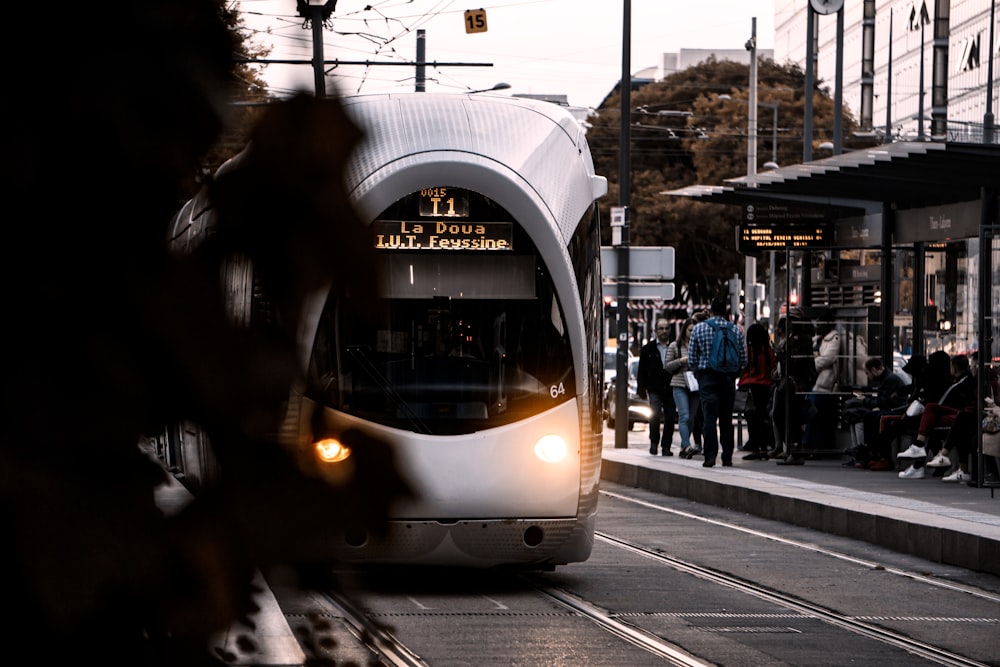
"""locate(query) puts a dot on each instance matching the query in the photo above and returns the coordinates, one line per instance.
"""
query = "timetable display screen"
(751, 239)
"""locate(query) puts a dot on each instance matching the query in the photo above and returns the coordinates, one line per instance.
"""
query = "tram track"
(851, 624)
(652, 644)
(389, 649)
(392, 651)
(428, 609)
(808, 546)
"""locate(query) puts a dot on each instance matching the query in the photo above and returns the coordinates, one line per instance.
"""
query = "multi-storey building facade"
(903, 61)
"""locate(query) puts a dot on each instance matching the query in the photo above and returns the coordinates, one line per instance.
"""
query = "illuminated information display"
(752, 239)
(783, 214)
(443, 235)
(444, 202)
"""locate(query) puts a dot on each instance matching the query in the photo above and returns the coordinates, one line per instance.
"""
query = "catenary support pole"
(319, 78)
(421, 60)
(624, 186)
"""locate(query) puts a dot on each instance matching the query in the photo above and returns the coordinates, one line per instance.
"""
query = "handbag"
(991, 429)
(743, 401)
(690, 381)
(915, 409)
(991, 420)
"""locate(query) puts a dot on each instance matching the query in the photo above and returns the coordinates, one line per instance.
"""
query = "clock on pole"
(826, 6)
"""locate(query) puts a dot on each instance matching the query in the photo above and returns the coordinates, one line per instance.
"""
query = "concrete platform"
(945, 522)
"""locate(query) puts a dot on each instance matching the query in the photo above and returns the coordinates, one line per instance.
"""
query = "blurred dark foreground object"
(110, 337)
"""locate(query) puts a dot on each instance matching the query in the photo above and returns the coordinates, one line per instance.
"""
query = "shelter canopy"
(904, 174)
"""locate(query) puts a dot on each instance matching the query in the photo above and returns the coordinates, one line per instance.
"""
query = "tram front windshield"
(459, 342)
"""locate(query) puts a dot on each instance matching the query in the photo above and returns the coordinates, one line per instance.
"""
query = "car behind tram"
(481, 360)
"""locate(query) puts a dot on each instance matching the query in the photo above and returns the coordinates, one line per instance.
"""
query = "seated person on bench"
(863, 414)
(959, 396)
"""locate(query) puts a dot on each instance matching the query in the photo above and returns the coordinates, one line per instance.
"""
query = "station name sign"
(753, 239)
(407, 235)
(783, 214)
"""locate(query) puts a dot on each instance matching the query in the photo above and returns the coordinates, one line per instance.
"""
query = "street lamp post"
(624, 200)
(773, 164)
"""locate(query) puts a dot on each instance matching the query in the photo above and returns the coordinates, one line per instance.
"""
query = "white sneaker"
(939, 461)
(912, 473)
(957, 476)
(914, 452)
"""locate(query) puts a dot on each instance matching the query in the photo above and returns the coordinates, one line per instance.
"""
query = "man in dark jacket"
(653, 384)
(864, 415)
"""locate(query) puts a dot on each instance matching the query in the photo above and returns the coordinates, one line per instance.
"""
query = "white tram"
(481, 361)
(484, 367)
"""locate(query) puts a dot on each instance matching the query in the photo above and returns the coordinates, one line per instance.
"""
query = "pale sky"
(562, 47)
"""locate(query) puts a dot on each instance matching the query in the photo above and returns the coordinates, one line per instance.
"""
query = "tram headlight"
(331, 450)
(551, 449)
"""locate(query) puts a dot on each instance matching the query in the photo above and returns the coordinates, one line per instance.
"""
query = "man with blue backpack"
(717, 354)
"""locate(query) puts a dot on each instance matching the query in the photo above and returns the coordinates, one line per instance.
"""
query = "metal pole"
(919, 296)
(772, 317)
(984, 325)
(789, 384)
(750, 263)
(317, 35)
(624, 186)
(867, 65)
(774, 135)
(838, 88)
(887, 139)
(886, 277)
(920, 111)
(940, 33)
(751, 46)
(421, 59)
(988, 116)
(807, 120)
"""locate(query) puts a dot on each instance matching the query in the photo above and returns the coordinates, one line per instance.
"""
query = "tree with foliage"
(247, 96)
(691, 128)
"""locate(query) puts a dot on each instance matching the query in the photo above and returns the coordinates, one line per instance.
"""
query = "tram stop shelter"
(900, 241)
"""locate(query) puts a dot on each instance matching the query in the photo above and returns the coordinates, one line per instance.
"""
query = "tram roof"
(905, 174)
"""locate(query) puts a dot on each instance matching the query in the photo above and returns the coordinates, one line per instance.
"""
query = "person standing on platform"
(822, 423)
(685, 399)
(697, 418)
(653, 384)
(778, 389)
(756, 378)
(717, 373)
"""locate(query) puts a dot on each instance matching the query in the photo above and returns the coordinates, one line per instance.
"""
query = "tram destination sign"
(408, 235)
(444, 202)
(752, 239)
